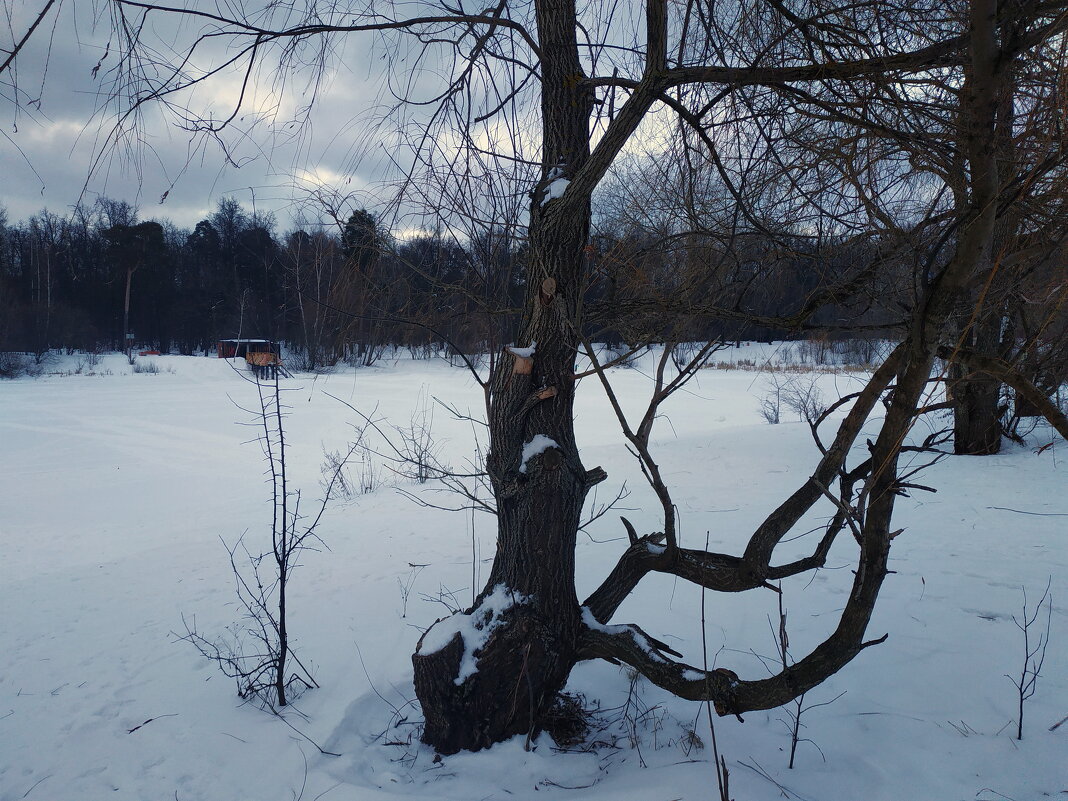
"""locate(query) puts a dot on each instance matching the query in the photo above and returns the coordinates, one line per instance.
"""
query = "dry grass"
(748, 365)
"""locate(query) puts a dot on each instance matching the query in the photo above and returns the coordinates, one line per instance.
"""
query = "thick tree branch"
(779, 522)
(729, 694)
(715, 571)
(726, 573)
(950, 52)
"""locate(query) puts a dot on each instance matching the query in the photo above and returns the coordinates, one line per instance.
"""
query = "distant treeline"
(345, 294)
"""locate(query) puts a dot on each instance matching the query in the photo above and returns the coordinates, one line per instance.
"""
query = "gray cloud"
(54, 150)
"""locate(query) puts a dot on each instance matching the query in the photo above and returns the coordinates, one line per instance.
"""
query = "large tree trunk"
(521, 637)
(976, 396)
(977, 425)
(540, 484)
(521, 654)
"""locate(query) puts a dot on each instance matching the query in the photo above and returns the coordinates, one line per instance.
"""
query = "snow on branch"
(630, 645)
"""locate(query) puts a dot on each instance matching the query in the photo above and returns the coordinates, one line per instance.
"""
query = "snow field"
(115, 490)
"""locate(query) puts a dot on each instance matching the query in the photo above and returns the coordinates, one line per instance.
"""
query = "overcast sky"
(53, 150)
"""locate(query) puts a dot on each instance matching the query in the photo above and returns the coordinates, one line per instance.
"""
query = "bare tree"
(312, 263)
(1034, 653)
(259, 652)
(546, 90)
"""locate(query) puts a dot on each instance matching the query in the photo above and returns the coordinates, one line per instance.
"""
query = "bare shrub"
(335, 469)
(418, 451)
(1034, 651)
(771, 401)
(257, 651)
(370, 476)
(803, 397)
(365, 355)
(13, 365)
(406, 585)
(859, 352)
(813, 351)
(88, 361)
(797, 392)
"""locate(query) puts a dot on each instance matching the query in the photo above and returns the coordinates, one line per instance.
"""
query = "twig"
(1034, 657)
(49, 776)
(135, 728)
(1025, 512)
(758, 769)
(322, 750)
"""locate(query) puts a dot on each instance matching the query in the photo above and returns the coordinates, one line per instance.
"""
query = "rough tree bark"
(976, 400)
(525, 664)
(976, 396)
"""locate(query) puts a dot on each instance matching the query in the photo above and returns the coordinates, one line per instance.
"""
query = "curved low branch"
(785, 516)
(726, 573)
(715, 571)
(911, 363)
(731, 695)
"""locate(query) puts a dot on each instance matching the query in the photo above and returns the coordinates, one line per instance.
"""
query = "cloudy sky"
(55, 121)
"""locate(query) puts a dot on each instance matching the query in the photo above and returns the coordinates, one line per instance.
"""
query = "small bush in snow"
(13, 365)
(804, 398)
(417, 449)
(772, 399)
(797, 392)
(334, 470)
(1034, 651)
(257, 652)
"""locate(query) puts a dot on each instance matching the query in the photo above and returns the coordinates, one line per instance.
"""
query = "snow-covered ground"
(118, 488)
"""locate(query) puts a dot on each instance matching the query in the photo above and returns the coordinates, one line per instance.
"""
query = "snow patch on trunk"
(538, 444)
(475, 628)
(524, 353)
(556, 189)
(557, 185)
